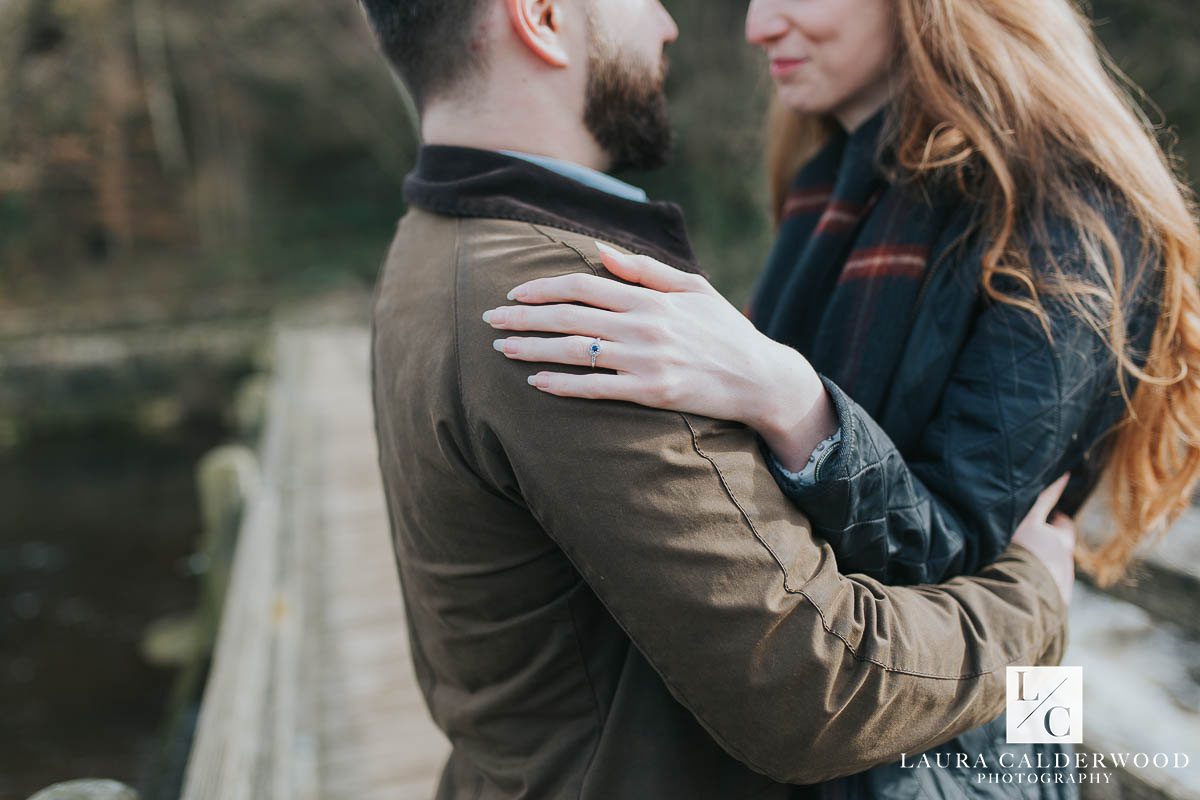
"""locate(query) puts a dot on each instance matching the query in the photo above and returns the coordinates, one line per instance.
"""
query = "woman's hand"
(673, 342)
(1051, 539)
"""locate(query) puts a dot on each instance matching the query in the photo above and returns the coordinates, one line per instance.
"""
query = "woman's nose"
(765, 22)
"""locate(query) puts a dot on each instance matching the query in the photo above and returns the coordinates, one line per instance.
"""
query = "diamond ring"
(594, 350)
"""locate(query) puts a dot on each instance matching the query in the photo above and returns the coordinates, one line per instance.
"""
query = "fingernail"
(487, 316)
(539, 380)
(531, 380)
(606, 250)
(518, 293)
(498, 345)
(496, 316)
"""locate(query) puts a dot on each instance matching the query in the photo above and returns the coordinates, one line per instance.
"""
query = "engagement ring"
(594, 350)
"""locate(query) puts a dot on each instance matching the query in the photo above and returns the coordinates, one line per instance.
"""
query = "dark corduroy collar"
(465, 182)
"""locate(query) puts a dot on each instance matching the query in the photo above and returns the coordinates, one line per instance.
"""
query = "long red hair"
(1014, 99)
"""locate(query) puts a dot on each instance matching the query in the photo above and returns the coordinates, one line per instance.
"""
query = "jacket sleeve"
(675, 523)
(1017, 412)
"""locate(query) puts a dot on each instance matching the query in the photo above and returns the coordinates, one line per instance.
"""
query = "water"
(95, 529)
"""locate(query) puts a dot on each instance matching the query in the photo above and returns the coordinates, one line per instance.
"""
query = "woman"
(985, 276)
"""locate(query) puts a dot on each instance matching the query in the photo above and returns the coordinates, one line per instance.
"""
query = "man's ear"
(537, 23)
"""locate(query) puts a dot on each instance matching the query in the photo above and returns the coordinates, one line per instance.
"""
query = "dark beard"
(626, 110)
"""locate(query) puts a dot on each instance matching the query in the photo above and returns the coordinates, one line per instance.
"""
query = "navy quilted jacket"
(980, 413)
(975, 414)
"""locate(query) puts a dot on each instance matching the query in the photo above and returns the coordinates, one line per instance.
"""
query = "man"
(608, 601)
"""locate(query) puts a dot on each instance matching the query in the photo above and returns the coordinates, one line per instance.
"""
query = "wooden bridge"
(312, 694)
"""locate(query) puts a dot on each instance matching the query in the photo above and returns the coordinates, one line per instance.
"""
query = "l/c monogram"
(1045, 704)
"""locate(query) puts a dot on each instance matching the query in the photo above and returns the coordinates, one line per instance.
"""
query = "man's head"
(595, 63)
(625, 107)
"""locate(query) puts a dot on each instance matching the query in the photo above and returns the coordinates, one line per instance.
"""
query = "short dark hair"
(430, 43)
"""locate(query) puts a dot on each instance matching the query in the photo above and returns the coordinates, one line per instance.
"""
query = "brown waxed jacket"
(610, 601)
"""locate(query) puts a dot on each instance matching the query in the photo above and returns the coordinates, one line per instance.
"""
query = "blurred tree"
(135, 126)
(258, 134)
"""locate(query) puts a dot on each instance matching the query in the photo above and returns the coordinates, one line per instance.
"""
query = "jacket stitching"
(585, 259)
(1006, 659)
(887, 513)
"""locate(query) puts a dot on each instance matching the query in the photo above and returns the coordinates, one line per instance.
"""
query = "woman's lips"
(781, 67)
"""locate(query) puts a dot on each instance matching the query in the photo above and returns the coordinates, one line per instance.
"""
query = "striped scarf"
(843, 283)
(845, 275)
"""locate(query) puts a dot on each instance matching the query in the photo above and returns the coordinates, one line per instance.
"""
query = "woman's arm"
(1008, 424)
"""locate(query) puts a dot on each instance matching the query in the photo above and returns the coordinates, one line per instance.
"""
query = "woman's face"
(827, 56)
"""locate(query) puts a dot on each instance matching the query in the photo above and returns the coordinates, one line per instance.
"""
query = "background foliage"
(157, 148)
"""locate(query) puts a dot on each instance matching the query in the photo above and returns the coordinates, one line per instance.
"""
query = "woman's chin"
(801, 99)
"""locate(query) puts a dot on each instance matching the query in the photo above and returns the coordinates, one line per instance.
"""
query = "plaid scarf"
(843, 283)
(845, 275)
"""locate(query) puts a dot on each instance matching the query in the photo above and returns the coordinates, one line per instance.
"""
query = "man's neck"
(485, 128)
